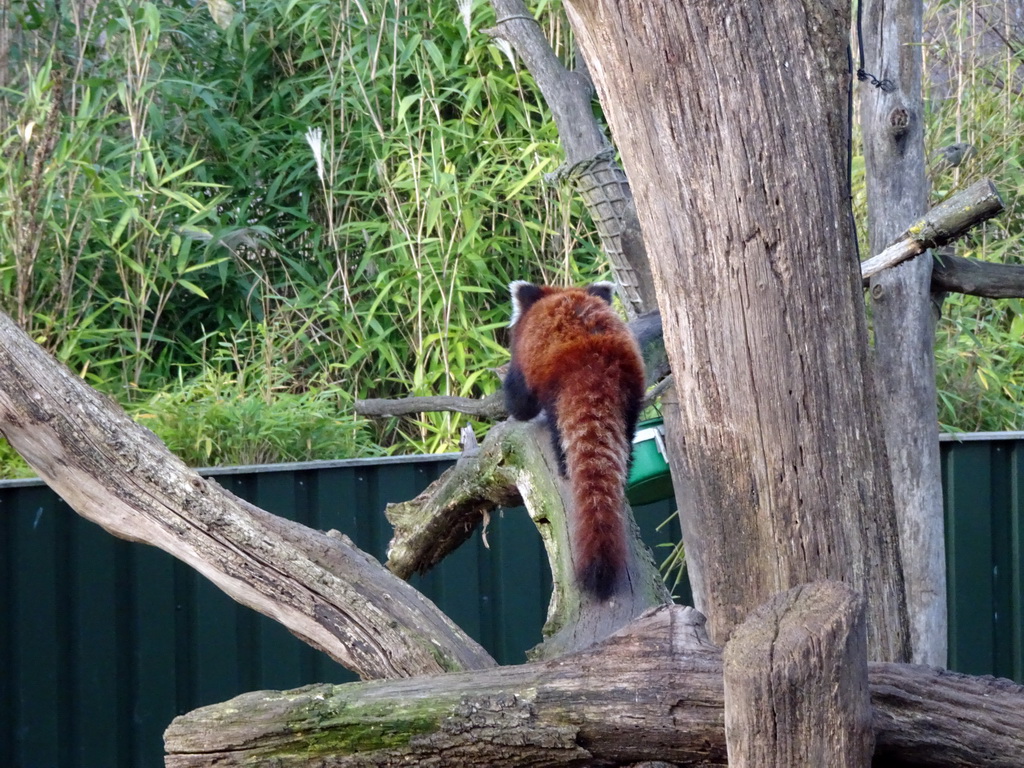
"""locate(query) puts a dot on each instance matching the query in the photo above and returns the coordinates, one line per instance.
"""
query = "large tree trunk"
(892, 120)
(732, 120)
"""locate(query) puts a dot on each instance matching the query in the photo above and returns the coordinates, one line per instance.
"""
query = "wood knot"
(899, 121)
(877, 291)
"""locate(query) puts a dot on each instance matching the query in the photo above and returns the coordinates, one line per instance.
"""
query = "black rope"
(886, 85)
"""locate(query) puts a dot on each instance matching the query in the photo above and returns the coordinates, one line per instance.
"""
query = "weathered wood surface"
(892, 122)
(490, 407)
(956, 274)
(925, 716)
(779, 455)
(658, 682)
(652, 692)
(117, 474)
(796, 682)
(445, 514)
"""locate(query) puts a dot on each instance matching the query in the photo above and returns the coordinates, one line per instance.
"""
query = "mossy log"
(652, 692)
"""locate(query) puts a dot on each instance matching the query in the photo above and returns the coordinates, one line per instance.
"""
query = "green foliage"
(219, 418)
(12, 466)
(339, 192)
(96, 236)
(976, 96)
(979, 358)
(353, 183)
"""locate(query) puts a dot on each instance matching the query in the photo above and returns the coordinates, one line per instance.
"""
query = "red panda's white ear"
(524, 294)
(603, 290)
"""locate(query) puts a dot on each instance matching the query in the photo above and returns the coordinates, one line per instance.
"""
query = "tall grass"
(303, 202)
(337, 190)
(976, 95)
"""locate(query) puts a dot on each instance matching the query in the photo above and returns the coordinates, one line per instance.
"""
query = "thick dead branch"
(117, 474)
(589, 164)
(603, 704)
(796, 682)
(651, 692)
(568, 94)
(956, 274)
(441, 518)
(946, 222)
(925, 716)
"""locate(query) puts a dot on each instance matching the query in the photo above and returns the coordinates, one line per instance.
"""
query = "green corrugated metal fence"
(102, 642)
(983, 486)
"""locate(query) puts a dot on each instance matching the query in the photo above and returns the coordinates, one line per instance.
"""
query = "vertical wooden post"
(796, 682)
(892, 124)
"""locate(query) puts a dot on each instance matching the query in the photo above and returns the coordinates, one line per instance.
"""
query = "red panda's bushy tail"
(593, 431)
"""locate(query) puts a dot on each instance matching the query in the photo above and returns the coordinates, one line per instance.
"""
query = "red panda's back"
(568, 330)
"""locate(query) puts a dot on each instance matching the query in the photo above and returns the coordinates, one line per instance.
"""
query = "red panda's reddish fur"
(573, 357)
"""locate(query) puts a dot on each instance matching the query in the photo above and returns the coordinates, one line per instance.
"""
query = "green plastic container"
(649, 478)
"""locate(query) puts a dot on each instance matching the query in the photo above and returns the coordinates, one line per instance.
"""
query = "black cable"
(886, 84)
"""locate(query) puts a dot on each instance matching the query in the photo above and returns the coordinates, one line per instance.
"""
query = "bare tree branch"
(946, 222)
(955, 274)
(437, 521)
(491, 407)
(589, 157)
(116, 473)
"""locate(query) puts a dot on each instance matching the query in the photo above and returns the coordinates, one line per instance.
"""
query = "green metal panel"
(968, 496)
(984, 503)
(1015, 622)
(7, 698)
(103, 642)
(40, 649)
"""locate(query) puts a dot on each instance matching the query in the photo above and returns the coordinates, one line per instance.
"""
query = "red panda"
(574, 358)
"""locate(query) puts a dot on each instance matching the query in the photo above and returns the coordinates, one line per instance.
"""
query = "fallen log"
(653, 691)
